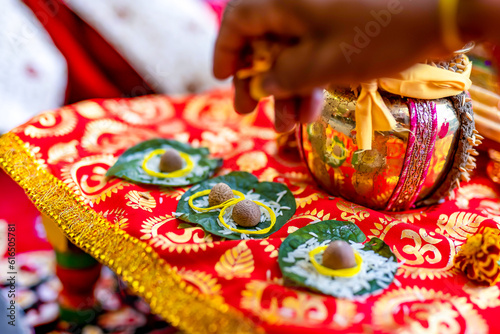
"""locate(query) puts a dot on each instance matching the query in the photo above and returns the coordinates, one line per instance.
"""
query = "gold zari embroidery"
(134, 260)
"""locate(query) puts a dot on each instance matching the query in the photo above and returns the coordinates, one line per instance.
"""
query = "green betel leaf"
(129, 165)
(249, 185)
(377, 273)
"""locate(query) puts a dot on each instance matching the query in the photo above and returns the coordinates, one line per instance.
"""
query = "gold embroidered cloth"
(204, 285)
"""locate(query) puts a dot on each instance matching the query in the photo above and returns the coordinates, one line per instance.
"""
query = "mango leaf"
(330, 230)
(129, 165)
(243, 182)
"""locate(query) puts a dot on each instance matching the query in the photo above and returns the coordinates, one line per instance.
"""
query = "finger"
(302, 68)
(243, 102)
(285, 114)
(243, 21)
(228, 47)
(238, 26)
(283, 79)
(311, 107)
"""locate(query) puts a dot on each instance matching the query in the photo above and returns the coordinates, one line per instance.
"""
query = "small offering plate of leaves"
(237, 206)
(165, 162)
(333, 258)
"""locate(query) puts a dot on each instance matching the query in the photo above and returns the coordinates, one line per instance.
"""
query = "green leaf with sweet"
(330, 230)
(243, 182)
(129, 164)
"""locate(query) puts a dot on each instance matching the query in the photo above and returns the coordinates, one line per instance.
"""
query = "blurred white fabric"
(33, 73)
(168, 42)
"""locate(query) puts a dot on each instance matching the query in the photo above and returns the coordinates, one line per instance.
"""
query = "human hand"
(336, 41)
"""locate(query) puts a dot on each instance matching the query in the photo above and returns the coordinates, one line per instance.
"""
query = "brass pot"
(403, 169)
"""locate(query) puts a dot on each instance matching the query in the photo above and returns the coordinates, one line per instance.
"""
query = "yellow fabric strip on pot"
(178, 173)
(348, 272)
(420, 81)
(206, 192)
(263, 231)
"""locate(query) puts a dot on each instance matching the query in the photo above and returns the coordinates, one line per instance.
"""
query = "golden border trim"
(148, 275)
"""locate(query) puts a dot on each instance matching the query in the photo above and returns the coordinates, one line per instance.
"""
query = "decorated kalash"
(414, 144)
(221, 233)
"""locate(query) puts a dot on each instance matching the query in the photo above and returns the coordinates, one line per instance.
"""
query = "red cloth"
(433, 296)
(17, 209)
(95, 69)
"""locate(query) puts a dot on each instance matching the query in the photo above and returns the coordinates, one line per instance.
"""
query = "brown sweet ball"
(171, 161)
(246, 213)
(339, 255)
(220, 193)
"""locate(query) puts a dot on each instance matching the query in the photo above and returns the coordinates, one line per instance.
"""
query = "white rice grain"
(374, 268)
(280, 195)
(202, 202)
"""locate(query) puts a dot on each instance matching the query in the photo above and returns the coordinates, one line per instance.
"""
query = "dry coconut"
(171, 161)
(246, 213)
(219, 193)
(339, 255)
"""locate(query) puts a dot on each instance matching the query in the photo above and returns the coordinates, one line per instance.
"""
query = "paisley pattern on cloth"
(237, 284)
